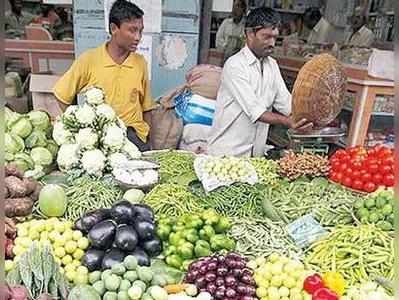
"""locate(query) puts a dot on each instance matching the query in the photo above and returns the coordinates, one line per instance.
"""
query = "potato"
(18, 207)
(16, 186)
(12, 170)
(30, 185)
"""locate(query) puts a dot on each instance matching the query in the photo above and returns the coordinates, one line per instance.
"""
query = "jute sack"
(166, 129)
(204, 80)
(319, 91)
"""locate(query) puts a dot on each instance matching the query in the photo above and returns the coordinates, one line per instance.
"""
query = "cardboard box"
(42, 96)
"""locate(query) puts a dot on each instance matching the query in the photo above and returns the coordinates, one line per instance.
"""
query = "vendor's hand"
(302, 125)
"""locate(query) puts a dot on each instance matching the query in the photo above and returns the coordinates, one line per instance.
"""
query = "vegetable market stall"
(114, 223)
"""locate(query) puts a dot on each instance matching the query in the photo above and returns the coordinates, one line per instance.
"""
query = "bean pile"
(359, 253)
(257, 237)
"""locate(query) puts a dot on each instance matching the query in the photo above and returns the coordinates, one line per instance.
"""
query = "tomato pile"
(363, 169)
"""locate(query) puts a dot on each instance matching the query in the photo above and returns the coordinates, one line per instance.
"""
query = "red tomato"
(371, 152)
(347, 181)
(333, 176)
(377, 178)
(366, 177)
(389, 180)
(363, 171)
(370, 187)
(385, 169)
(334, 160)
(346, 158)
(357, 185)
(340, 153)
(339, 176)
(378, 148)
(373, 168)
(343, 167)
(384, 153)
(348, 172)
(336, 166)
(356, 164)
(372, 161)
(356, 174)
(388, 161)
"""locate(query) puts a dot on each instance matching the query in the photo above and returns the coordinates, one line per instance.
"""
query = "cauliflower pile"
(92, 138)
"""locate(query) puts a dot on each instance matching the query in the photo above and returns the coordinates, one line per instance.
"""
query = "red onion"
(219, 281)
(210, 277)
(211, 287)
(230, 293)
(230, 281)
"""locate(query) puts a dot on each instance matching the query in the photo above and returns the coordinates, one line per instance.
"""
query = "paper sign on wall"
(145, 49)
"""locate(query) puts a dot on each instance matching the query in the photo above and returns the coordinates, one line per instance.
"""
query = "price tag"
(305, 231)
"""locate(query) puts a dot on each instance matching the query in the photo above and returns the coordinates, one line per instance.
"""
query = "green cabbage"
(11, 117)
(23, 127)
(41, 156)
(13, 143)
(36, 139)
(40, 120)
(52, 147)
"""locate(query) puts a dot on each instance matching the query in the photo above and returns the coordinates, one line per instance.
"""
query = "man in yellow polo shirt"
(118, 70)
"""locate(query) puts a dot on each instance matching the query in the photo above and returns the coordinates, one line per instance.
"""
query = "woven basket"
(319, 91)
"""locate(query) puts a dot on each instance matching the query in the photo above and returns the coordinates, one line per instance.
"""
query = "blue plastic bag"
(194, 109)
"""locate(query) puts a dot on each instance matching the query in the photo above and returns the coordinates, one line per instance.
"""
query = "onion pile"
(224, 277)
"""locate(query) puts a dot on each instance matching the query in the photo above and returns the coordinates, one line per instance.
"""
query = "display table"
(364, 87)
(41, 56)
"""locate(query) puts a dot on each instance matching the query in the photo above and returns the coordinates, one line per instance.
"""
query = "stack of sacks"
(196, 106)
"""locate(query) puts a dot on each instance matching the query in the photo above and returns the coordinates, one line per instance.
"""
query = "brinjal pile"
(124, 229)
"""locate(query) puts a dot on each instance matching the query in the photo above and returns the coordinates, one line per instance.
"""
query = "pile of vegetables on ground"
(28, 143)
(124, 229)
(20, 193)
(185, 238)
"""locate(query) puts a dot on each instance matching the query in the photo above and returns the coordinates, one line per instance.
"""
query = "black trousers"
(132, 136)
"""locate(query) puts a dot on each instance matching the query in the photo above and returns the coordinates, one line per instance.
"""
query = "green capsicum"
(210, 216)
(220, 242)
(174, 261)
(194, 221)
(185, 250)
(202, 248)
(175, 238)
(191, 235)
(170, 250)
(207, 232)
(223, 225)
(163, 231)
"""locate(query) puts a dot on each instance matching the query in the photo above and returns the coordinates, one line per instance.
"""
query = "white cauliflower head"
(94, 96)
(106, 111)
(67, 157)
(114, 137)
(70, 111)
(117, 160)
(61, 135)
(131, 150)
(86, 138)
(85, 115)
(93, 162)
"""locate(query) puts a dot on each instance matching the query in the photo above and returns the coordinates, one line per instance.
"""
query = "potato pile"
(20, 193)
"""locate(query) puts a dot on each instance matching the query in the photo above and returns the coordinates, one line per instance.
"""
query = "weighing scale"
(315, 141)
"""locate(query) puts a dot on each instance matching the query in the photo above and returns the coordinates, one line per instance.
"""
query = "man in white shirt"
(251, 86)
(321, 31)
(361, 36)
(231, 32)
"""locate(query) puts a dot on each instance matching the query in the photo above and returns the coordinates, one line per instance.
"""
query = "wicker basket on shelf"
(319, 90)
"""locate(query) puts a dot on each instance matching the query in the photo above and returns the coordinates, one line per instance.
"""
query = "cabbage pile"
(91, 137)
(28, 142)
